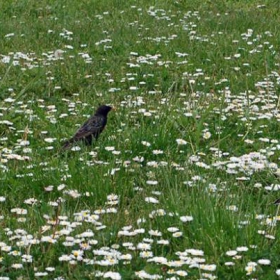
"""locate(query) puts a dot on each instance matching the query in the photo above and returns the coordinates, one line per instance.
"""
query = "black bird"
(91, 128)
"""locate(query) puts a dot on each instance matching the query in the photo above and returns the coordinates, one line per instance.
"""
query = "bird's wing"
(92, 126)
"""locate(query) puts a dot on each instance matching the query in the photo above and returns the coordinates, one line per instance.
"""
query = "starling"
(91, 128)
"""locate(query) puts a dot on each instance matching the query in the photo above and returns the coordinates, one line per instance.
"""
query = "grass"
(181, 184)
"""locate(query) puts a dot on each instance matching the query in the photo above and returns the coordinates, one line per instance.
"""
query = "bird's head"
(103, 110)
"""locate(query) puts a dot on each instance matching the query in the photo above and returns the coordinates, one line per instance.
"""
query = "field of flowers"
(182, 182)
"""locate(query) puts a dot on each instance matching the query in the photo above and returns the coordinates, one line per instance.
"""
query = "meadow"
(182, 182)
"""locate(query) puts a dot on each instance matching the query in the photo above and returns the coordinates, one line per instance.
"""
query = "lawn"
(182, 182)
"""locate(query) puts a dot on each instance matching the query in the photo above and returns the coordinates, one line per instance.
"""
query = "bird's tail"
(68, 144)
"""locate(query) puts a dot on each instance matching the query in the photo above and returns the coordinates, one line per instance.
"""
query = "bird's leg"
(88, 140)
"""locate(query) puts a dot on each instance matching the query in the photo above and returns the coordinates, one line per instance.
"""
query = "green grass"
(174, 70)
